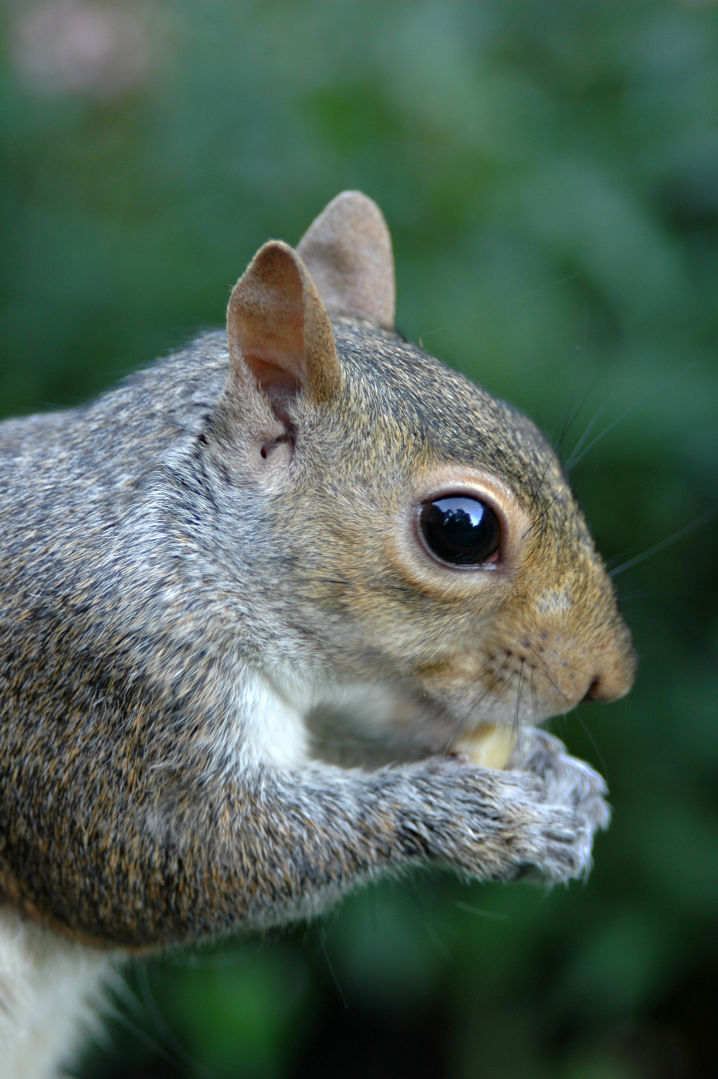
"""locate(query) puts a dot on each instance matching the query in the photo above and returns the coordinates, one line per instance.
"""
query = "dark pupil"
(459, 530)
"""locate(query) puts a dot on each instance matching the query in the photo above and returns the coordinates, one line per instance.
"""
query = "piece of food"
(490, 745)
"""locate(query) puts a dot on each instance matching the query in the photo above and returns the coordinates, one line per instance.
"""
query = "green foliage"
(550, 174)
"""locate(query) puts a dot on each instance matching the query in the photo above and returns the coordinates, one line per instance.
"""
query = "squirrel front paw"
(535, 821)
(566, 780)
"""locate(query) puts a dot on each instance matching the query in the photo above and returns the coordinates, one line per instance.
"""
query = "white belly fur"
(49, 989)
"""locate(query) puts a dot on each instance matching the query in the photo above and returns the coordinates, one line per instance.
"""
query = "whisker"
(571, 414)
(576, 453)
(450, 741)
(580, 452)
(168, 1038)
(664, 543)
(493, 683)
(539, 518)
(493, 914)
(438, 943)
(575, 668)
(547, 674)
(517, 709)
(592, 740)
(135, 1011)
(532, 690)
(321, 937)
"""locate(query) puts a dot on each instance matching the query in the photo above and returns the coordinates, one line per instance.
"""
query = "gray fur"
(165, 591)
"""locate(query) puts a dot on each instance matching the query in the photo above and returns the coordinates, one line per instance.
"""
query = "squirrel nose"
(595, 692)
(612, 682)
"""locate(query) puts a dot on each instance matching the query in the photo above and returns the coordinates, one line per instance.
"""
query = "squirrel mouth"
(490, 745)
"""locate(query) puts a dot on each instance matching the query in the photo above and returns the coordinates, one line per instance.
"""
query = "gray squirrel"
(260, 608)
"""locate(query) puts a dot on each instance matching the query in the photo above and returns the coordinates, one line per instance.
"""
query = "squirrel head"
(424, 533)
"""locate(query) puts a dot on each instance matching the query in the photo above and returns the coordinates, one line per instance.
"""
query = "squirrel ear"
(278, 328)
(348, 252)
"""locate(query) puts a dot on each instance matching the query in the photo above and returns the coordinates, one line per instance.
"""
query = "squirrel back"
(295, 546)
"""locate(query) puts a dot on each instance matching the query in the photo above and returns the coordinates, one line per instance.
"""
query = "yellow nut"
(490, 745)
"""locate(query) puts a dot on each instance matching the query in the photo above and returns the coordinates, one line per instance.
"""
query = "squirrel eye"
(461, 531)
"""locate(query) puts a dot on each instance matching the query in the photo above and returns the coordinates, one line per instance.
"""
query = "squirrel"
(259, 607)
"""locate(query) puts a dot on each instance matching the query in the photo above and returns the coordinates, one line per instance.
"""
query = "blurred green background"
(550, 174)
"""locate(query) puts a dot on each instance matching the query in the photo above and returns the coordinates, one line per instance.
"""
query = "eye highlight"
(460, 531)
